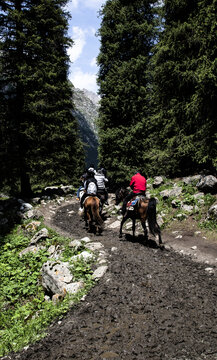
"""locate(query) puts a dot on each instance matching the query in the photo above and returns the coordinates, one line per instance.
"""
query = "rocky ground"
(151, 303)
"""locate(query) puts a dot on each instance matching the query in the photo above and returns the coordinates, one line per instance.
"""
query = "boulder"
(84, 255)
(32, 248)
(76, 244)
(41, 234)
(100, 272)
(55, 276)
(25, 207)
(176, 191)
(67, 189)
(212, 212)
(207, 184)
(191, 179)
(158, 181)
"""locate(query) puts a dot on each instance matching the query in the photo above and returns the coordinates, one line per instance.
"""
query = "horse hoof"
(120, 236)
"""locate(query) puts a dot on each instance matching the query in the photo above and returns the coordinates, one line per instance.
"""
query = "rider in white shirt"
(101, 184)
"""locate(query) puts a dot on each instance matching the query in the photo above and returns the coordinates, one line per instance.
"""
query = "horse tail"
(96, 215)
(152, 217)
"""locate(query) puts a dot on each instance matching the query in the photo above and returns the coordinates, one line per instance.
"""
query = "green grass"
(187, 198)
(24, 313)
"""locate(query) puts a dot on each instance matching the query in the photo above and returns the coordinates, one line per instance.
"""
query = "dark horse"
(120, 194)
(144, 209)
(93, 220)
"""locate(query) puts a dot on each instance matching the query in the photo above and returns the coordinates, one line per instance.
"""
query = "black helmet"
(90, 172)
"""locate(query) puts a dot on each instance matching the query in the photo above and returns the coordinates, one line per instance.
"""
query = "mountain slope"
(86, 112)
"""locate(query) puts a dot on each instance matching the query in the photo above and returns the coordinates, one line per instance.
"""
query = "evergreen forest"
(158, 87)
(39, 142)
(157, 82)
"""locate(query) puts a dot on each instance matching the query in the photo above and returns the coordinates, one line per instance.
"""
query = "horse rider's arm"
(132, 183)
(86, 185)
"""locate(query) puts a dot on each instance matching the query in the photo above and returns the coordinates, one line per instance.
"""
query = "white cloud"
(78, 37)
(83, 80)
(93, 4)
(71, 5)
(93, 62)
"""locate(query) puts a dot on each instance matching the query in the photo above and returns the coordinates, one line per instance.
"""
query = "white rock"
(194, 247)
(128, 225)
(51, 249)
(75, 243)
(41, 234)
(210, 270)
(187, 208)
(85, 255)
(94, 246)
(25, 207)
(114, 249)
(99, 272)
(114, 225)
(85, 239)
(55, 276)
(73, 288)
(32, 248)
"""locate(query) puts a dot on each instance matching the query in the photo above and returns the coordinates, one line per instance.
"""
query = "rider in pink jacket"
(138, 185)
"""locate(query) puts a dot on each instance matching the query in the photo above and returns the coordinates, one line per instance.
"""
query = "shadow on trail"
(150, 243)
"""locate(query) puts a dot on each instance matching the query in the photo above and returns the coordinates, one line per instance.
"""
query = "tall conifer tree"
(184, 89)
(42, 142)
(127, 35)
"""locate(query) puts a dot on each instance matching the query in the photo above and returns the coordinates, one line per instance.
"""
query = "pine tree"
(127, 33)
(42, 143)
(184, 94)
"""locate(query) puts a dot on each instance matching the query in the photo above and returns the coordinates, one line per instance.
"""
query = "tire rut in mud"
(151, 304)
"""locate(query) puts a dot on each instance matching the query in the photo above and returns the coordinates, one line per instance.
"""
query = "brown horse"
(144, 209)
(93, 220)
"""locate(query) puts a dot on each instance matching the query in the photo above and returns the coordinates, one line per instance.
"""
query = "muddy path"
(151, 303)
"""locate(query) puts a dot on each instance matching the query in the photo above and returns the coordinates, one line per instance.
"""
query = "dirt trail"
(151, 304)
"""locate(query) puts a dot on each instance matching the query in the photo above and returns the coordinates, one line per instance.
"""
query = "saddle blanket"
(133, 202)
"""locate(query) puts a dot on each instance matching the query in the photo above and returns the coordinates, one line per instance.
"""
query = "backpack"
(92, 188)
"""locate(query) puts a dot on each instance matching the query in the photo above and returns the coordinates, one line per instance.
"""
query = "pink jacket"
(138, 183)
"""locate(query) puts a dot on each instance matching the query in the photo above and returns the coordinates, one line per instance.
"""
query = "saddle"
(131, 204)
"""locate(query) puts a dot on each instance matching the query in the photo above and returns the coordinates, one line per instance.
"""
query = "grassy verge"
(187, 197)
(24, 313)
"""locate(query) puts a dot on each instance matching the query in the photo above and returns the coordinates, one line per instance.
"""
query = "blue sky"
(83, 26)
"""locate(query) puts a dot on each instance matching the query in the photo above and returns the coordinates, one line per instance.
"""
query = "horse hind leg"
(121, 226)
(145, 230)
(133, 226)
(158, 232)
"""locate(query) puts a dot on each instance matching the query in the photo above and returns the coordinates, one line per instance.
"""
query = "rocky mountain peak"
(86, 105)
